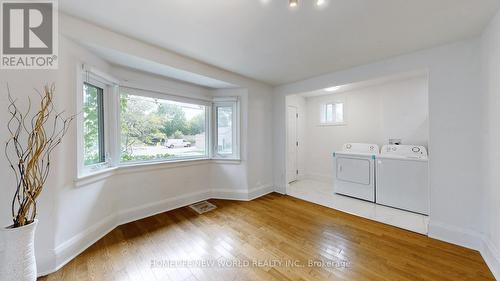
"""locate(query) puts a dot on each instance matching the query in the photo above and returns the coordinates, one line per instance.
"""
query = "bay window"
(120, 125)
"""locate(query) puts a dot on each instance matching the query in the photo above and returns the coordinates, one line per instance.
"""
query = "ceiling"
(336, 89)
(268, 41)
(127, 60)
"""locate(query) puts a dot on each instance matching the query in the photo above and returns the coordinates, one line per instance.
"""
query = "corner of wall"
(491, 256)
(490, 67)
(468, 239)
(455, 235)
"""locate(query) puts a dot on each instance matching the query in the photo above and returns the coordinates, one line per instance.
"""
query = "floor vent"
(202, 207)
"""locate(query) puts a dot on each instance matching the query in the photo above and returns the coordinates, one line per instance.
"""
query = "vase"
(18, 258)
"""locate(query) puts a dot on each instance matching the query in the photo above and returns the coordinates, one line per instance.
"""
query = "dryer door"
(354, 170)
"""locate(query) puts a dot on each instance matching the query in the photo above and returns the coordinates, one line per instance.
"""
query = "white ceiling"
(336, 89)
(267, 41)
(127, 60)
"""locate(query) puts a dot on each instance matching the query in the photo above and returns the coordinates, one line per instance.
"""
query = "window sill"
(332, 124)
(147, 166)
(226, 161)
(125, 168)
(94, 176)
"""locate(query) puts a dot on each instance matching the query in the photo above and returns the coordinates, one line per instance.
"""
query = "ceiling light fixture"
(332, 89)
(295, 3)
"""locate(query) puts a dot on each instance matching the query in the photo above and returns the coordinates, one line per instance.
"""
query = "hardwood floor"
(274, 237)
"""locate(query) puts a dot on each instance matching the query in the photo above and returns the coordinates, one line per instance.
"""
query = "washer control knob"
(415, 149)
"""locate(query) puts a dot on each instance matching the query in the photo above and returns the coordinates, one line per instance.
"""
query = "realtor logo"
(29, 35)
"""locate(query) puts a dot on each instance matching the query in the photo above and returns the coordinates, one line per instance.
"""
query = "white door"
(292, 144)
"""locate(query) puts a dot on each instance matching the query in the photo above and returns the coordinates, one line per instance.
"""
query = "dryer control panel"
(361, 148)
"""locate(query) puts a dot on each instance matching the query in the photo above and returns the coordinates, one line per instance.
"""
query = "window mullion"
(208, 132)
(113, 110)
(101, 126)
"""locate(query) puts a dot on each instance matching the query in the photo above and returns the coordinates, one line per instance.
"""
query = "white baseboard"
(151, 209)
(257, 192)
(491, 256)
(72, 247)
(281, 189)
(69, 249)
(242, 195)
(469, 239)
(455, 235)
(229, 194)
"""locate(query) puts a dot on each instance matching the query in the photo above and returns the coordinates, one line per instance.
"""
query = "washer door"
(353, 170)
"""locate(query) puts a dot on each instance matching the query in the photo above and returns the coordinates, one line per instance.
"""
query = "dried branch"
(28, 151)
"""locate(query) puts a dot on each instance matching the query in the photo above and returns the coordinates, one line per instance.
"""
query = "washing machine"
(355, 170)
(402, 178)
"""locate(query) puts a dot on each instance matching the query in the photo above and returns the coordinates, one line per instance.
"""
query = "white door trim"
(291, 174)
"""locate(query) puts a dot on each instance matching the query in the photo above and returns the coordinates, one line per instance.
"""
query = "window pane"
(339, 112)
(225, 130)
(332, 113)
(158, 129)
(93, 125)
(329, 112)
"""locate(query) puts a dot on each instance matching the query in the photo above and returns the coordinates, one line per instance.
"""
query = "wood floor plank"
(274, 237)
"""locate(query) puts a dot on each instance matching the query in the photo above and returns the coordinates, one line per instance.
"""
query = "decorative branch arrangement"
(28, 151)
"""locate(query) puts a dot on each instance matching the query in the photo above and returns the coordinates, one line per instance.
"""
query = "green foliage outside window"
(151, 122)
(91, 124)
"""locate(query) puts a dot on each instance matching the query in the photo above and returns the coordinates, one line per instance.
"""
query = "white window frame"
(323, 113)
(108, 85)
(112, 123)
(234, 103)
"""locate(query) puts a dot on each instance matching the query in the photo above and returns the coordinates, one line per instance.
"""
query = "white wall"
(74, 214)
(21, 84)
(455, 169)
(259, 152)
(226, 179)
(491, 72)
(88, 204)
(373, 114)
